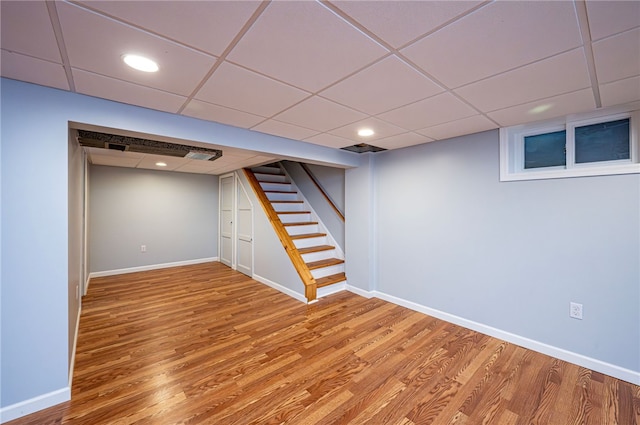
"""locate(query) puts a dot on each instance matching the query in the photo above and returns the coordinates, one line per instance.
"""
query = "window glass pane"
(545, 150)
(606, 141)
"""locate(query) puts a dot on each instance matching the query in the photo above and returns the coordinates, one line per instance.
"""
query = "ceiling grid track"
(321, 71)
(396, 52)
(57, 30)
(245, 28)
(585, 32)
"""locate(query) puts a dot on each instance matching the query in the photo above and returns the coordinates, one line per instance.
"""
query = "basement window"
(595, 144)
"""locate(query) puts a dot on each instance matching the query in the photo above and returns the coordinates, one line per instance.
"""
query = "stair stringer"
(271, 264)
(338, 252)
(310, 287)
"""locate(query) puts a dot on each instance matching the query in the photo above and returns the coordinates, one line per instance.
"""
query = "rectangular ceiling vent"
(199, 155)
(94, 139)
(116, 147)
(362, 148)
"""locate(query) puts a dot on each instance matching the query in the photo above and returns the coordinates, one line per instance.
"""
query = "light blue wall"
(76, 278)
(35, 307)
(360, 229)
(334, 182)
(331, 179)
(175, 215)
(34, 217)
(512, 255)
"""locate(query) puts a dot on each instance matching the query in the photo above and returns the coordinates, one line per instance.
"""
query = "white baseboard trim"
(361, 292)
(278, 287)
(35, 404)
(152, 267)
(540, 347)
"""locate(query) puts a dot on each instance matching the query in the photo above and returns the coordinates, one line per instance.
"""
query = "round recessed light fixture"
(161, 164)
(365, 132)
(140, 63)
(541, 108)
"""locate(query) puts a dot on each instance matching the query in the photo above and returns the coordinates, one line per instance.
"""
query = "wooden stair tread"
(330, 280)
(308, 235)
(315, 249)
(270, 182)
(300, 223)
(293, 212)
(324, 263)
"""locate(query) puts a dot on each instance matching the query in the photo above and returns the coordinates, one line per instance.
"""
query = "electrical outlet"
(575, 310)
(143, 248)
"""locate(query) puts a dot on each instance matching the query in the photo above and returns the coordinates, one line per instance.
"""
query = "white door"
(244, 231)
(226, 220)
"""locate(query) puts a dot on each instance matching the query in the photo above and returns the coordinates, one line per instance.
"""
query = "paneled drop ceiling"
(413, 71)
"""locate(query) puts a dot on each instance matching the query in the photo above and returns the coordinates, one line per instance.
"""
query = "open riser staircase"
(299, 229)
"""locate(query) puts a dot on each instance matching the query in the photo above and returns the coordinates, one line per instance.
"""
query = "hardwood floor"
(203, 344)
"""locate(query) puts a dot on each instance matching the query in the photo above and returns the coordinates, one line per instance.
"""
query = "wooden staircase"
(317, 261)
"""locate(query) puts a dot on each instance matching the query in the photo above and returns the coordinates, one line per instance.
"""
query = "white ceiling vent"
(205, 156)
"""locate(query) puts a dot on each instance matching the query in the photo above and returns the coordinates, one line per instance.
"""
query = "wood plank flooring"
(203, 344)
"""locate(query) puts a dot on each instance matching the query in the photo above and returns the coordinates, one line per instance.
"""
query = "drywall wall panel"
(35, 279)
(173, 215)
(328, 216)
(76, 235)
(360, 229)
(512, 255)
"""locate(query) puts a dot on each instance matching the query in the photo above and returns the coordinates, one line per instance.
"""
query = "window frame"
(512, 147)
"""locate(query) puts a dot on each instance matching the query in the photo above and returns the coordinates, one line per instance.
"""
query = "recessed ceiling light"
(365, 132)
(140, 63)
(541, 108)
(161, 164)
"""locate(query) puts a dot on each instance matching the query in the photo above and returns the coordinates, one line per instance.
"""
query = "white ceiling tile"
(402, 141)
(621, 91)
(319, 114)
(557, 75)
(611, 17)
(121, 91)
(238, 88)
(469, 125)
(305, 44)
(95, 152)
(33, 70)
(207, 111)
(398, 22)
(149, 162)
(198, 166)
(439, 109)
(114, 161)
(181, 69)
(618, 57)
(496, 38)
(329, 140)
(565, 104)
(39, 40)
(205, 25)
(382, 129)
(282, 129)
(381, 87)
(259, 160)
